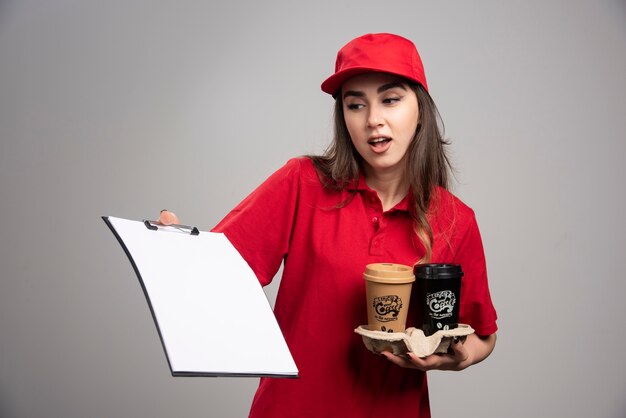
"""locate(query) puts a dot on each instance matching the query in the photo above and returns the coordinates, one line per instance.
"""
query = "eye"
(354, 106)
(391, 100)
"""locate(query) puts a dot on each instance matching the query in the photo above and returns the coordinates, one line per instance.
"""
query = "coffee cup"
(439, 293)
(388, 291)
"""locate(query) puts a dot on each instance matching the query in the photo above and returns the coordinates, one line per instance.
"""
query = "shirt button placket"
(375, 209)
(375, 244)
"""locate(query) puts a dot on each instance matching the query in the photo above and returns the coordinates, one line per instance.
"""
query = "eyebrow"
(380, 89)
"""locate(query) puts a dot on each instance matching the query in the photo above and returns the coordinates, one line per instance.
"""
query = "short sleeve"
(477, 308)
(260, 226)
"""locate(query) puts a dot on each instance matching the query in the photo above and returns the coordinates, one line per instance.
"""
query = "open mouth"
(379, 143)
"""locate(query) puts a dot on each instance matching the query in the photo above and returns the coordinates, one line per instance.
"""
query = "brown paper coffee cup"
(388, 290)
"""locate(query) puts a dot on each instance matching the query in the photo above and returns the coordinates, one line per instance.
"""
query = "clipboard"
(210, 311)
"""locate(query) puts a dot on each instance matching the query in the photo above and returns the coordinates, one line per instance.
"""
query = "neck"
(391, 186)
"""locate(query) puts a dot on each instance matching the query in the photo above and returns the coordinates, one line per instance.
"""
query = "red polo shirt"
(321, 299)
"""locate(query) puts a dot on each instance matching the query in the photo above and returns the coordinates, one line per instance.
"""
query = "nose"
(374, 117)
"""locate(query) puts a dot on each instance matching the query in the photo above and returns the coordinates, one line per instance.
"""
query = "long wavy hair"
(427, 165)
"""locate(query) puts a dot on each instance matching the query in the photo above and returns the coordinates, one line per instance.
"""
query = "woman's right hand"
(168, 218)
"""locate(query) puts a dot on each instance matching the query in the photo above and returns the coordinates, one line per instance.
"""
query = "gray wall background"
(125, 107)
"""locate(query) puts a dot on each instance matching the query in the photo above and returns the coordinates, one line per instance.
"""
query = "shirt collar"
(360, 184)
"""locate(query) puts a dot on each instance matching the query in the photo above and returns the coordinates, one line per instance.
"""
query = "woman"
(379, 194)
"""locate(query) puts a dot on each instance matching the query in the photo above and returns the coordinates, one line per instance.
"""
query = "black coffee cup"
(439, 293)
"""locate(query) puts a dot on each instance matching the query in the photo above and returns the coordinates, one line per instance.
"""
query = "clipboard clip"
(154, 226)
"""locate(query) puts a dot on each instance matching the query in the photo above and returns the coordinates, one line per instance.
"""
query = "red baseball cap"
(376, 52)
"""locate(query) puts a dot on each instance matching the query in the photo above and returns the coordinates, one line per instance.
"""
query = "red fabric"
(376, 52)
(322, 293)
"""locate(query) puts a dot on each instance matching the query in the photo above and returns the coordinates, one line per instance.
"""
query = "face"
(381, 114)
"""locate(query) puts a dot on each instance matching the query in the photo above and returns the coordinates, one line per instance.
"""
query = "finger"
(459, 350)
(399, 361)
(432, 362)
(422, 363)
(168, 218)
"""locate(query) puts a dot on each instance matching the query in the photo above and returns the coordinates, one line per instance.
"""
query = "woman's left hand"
(463, 354)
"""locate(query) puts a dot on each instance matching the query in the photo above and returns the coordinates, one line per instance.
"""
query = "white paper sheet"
(209, 308)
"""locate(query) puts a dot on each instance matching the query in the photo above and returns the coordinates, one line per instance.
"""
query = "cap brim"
(333, 83)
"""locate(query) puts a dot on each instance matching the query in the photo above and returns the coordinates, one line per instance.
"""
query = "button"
(375, 243)
(375, 220)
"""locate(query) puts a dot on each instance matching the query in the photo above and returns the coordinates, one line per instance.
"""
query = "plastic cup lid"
(389, 273)
(437, 271)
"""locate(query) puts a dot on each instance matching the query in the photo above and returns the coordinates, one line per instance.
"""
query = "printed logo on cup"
(387, 307)
(441, 304)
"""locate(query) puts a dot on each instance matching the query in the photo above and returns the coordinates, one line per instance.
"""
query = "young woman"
(379, 194)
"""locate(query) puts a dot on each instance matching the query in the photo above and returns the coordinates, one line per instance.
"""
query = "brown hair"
(427, 167)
